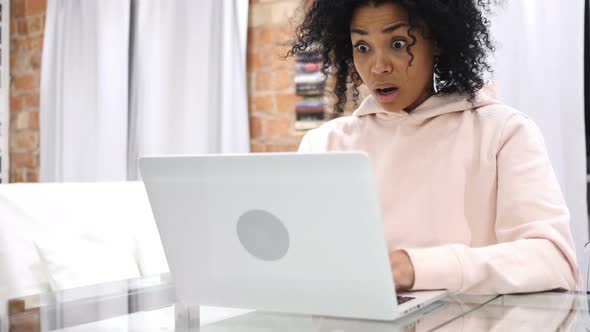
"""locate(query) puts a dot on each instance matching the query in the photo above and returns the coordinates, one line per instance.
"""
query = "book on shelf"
(310, 78)
(310, 89)
(307, 67)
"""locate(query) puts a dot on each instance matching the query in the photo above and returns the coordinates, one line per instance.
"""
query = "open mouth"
(387, 91)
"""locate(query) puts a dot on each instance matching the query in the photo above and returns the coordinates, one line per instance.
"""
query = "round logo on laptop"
(263, 235)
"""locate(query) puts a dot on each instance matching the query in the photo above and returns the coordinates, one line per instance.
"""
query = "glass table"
(148, 304)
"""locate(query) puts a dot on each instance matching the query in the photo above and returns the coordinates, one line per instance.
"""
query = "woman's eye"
(362, 48)
(398, 44)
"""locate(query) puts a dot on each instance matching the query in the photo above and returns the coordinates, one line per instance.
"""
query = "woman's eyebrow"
(392, 27)
(388, 29)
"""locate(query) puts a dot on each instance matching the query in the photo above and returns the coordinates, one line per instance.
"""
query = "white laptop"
(286, 232)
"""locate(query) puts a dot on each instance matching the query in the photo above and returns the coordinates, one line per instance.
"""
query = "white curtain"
(540, 71)
(84, 91)
(124, 78)
(189, 75)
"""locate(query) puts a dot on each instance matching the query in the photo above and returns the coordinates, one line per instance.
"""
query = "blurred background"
(86, 87)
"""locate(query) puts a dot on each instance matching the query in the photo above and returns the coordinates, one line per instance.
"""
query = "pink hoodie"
(469, 192)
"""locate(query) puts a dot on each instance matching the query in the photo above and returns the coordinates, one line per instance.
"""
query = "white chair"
(64, 235)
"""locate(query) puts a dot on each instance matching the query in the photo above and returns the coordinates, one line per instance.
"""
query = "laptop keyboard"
(404, 299)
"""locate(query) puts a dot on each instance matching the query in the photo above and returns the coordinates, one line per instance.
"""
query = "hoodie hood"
(431, 107)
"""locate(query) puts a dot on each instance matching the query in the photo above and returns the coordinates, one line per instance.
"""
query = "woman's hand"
(402, 269)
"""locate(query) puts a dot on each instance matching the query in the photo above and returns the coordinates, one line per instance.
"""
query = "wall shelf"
(310, 83)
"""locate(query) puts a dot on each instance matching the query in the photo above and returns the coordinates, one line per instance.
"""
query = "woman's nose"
(382, 65)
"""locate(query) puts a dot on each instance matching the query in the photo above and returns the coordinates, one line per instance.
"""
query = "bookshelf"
(310, 84)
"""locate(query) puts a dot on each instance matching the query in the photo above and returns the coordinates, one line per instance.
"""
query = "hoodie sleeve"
(535, 250)
(305, 145)
(312, 142)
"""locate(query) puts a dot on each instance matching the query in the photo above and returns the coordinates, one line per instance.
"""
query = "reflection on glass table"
(148, 304)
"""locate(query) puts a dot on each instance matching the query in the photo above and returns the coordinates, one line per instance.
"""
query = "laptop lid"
(299, 233)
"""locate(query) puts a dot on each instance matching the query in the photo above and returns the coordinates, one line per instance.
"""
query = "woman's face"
(380, 42)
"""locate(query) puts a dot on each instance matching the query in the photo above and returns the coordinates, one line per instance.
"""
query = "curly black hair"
(460, 28)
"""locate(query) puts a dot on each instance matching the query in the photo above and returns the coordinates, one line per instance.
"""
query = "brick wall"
(26, 43)
(271, 87)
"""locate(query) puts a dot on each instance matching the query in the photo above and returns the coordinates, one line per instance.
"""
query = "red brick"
(12, 27)
(286, 103)
(282, 79)
(17, 8)
(31, 101)
(251, 108)
(263, 36)
(24, 82)
(34, 43)
(257, 147)
(19, 63)
(35, 25)
(36, 7)
(263, 103)
(16, 103)
(23, 160)
(263, 80)
(265, 57)
(21, 120)
(282, 147)
(19, 45)
(22, 26)
(256, 129)
(13, 61)
(253, 61)
(34, 120)
(251, 81)
(278, 57)
(278, 127)
(32, 175)
(35, 60)
(18, 175)
(26, 41)
(26, 140)
(283, 34)
(250, 36)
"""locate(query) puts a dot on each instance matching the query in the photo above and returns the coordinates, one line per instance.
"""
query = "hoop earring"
(434, 76)
(434, 86)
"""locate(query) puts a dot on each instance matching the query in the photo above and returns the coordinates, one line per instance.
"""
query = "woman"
(469, 198)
